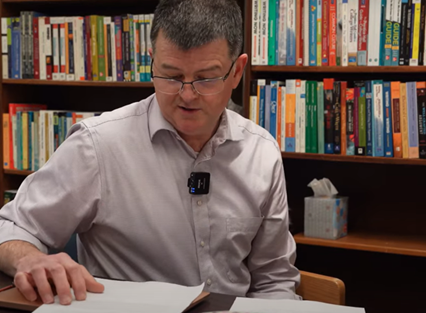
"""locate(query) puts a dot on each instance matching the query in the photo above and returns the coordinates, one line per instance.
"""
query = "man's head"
(196, 40)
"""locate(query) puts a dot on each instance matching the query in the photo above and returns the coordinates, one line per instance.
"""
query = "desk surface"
(215, 302)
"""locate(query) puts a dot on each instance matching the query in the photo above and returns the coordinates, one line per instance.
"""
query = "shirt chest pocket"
(240, 234)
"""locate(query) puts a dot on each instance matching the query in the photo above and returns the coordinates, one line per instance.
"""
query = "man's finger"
(42, 284)
(60, 279)
(91, 284)
(78, 283)
(24, 286)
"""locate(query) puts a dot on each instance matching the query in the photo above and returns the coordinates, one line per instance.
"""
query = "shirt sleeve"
(59, 199)
(271, 261)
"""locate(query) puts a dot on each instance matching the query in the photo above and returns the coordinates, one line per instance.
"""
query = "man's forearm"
(11, 252)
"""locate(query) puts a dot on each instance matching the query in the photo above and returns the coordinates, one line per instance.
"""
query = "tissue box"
(326, 217)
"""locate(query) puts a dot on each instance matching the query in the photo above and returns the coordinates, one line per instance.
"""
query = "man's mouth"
(188, 109)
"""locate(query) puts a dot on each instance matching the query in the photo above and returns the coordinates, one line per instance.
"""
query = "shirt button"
(202, 243)
(209, 282)
(199, 202)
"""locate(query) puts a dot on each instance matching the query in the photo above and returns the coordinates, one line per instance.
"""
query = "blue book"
(369, 116)
(273, 109)
(261, 85)
(387, 112)
(16, 48)
(267, 107)
(30, 139)
(291, 39)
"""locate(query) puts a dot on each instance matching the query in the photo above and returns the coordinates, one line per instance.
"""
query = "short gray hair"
(194, 23)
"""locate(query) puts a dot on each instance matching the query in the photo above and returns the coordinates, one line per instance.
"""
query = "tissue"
(326, 213)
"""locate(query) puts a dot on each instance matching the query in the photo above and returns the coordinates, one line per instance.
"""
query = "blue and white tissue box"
(326, 217)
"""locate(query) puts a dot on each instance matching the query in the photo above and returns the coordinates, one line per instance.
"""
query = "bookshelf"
(77, 83)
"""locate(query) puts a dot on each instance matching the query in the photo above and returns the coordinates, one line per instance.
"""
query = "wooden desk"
(215, 302)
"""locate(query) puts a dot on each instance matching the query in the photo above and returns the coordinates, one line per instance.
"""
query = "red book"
(332, 34)
(87, 50)
(299, 33)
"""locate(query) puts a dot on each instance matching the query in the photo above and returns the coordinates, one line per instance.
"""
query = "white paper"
(120, 296)
(249, 305)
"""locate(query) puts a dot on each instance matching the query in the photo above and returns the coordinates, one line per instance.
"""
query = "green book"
(101, 48)
(308, 118)
(314, 109)
(272, 32)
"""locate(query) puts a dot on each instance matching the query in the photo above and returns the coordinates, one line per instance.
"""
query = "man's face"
(194, 115)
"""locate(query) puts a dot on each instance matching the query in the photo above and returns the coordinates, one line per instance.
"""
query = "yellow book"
(94, 46)
(414, 60)
(25, 165)
(404, 119)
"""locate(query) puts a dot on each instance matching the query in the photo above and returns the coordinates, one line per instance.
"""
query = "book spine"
(255, 33)
(353, 32)
(271, 32)
(387, 111)
(343, 118)
(264, 32)
(299, 32)
(101, 48)
(362, 127)
(413, 132)
(415, 33)
(325, 33)
(306, 32)
(313, 33)
(369, 117)
(362, 31)
(6, 138)
(422, 31)
(119, 47)
(87, 49)
(345, 32)
(396, 32)
(283, 117)
(328, 116)
(404, 119)
(291, 32)
(421, 112)
(16, 48)
(4, 47)
(332, 34)
(62, 50)
(396, 119)
(374, 25)
(70, 55)
(319, 32)
(378, 139)
(94, 47)
(273, 109)
(350, 137)
(309, 117)
(320, 115)
(336, 118)
(314, 116)
(290, 139)
(48, 49)
(356, 117)
(388, 33)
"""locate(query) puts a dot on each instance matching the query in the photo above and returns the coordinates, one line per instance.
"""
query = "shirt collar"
(228, 127)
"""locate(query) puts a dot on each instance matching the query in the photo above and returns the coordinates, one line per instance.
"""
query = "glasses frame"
(223, 78)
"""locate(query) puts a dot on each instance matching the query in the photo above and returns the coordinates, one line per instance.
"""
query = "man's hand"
(38, 271)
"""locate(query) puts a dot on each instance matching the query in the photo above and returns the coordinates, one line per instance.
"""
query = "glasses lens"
(168, 86)
(209, 87)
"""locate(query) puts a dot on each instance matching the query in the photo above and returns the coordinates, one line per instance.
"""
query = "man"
(120, 181)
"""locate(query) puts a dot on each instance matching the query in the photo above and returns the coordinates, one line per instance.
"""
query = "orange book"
(290, 116)
(396, 119)
(6, 142)
(404, 118)
(343, 144)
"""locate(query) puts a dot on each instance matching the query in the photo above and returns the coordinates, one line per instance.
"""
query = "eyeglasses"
(204, 87)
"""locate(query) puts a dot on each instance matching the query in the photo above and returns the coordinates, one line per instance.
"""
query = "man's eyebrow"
(207, 69)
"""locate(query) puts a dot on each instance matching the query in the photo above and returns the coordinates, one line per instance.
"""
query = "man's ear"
(239, 66)
(150, 52)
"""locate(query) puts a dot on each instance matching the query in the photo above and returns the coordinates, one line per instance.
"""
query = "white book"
(62, 60)
(291, 32)
(114, 53)
(283, 108)
(282, 33)
(4, 48)
(345, 31)
(374, 26)
(255, 33)
(80, 74)
(48, 48)
(42, 46)
(54, 22)
(76, 49)
(305, 31)
(264, 32)
(353, 32)
(303, 118)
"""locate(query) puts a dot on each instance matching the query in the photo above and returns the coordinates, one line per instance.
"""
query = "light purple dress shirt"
(120, 182)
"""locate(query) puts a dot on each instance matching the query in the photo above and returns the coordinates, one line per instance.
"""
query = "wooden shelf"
(339, 69)
(77, 83)
(352, 159)
(17, 172)
(405, 245)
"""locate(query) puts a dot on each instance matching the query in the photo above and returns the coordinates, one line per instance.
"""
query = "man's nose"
(188, 93)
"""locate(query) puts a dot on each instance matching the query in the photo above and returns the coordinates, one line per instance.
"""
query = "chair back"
(316, 287)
